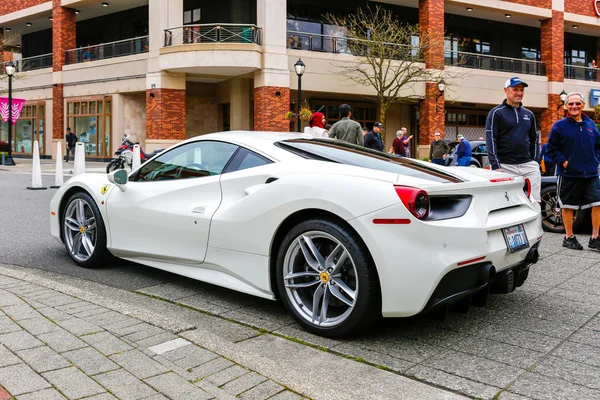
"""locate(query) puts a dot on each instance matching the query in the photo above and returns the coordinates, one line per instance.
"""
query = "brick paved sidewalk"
(56, 346)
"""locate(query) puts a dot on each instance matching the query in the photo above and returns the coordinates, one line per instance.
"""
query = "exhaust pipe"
(487, 274)
(532, 256)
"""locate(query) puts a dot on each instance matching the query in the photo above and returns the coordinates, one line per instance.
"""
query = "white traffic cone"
(36, 171)
(58, 175)
(135, 164)
(79, 167)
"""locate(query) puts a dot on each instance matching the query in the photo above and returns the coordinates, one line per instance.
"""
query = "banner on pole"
(17, 106)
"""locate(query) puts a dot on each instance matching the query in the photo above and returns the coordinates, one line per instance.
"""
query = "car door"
(166, 210)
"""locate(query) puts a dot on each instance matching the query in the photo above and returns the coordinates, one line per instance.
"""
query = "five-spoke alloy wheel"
(326, 278)
(84, 234)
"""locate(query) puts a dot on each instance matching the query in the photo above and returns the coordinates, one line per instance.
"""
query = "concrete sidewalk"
(68, 338)
(48, 167)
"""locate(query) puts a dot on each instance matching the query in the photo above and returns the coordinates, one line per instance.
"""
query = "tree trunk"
(383, 107)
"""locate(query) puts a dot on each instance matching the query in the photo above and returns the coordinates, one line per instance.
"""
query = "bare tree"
(7, 45)
(389, 55)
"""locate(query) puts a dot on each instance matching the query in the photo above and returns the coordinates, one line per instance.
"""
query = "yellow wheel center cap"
(82, 229)
(324, 277)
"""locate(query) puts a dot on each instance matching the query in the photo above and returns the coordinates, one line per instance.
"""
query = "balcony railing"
(103, 51)
(582, 73)
(213, 33)
(31, 63)
(494, 63)
(342, 45)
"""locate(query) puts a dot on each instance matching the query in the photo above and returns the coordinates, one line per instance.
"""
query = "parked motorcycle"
(124, 156)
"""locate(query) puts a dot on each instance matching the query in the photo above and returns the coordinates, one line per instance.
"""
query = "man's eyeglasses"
(574, 104)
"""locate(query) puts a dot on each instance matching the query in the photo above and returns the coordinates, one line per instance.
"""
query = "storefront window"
(90, 120)
(29, 128)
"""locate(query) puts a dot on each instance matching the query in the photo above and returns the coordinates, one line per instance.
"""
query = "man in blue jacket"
(574, 145)
(465, 151)
(373, 139)
(512, 139)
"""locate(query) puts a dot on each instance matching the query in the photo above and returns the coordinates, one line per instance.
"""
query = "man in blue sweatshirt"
(512, 139)
(574, 145)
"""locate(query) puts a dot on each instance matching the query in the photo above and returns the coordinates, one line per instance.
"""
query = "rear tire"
(326, 278)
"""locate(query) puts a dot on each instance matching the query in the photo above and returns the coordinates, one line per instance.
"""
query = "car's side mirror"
(119, 178)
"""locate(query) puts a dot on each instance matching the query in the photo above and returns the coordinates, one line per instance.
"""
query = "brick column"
(165, 114)
(270, 105)
(553, 46)
(64, 31)
(431, 24)
(432, 114)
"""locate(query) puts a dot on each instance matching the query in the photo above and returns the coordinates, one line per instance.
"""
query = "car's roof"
(251, 136)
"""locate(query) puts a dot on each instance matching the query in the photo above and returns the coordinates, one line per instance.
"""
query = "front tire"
(84, 234)
(326, 278)
(113, 166)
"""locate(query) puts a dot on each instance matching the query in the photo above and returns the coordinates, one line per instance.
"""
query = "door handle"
(199, 210)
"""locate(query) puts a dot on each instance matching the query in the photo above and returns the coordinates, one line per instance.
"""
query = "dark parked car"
(479, 157)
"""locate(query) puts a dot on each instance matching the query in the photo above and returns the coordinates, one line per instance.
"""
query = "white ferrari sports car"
(340, 233)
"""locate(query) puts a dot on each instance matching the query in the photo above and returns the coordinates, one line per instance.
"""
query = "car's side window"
(191, 160)
(245, 159)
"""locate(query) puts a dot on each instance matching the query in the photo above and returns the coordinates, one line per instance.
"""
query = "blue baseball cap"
(514, 82)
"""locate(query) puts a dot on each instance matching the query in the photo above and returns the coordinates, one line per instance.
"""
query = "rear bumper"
(462, 283)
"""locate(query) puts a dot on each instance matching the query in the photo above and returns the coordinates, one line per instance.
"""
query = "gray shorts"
(529, 170)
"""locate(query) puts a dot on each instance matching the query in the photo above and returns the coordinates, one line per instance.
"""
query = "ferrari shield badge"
(105, 188)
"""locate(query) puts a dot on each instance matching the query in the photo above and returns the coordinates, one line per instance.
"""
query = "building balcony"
(582, 73)
(212, 33)
(494, 63)
(104, 51)
(31, 63)
(339, 45)
(226, 50)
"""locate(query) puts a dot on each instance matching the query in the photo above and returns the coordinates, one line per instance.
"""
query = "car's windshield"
(350, 154)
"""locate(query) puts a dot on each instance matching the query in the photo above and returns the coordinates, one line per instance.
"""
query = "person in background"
(398, 144)
(512, 137)
(71, 140)
(574, 145)
(346, 129)
(365, 130)
(327, 128)
(592, 70)
(406, 139)
(373, 139)
(438, 150)
(316, 125)
(464, 151)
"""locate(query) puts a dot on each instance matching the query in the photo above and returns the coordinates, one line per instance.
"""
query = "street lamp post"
(299, 67)
(10, 71)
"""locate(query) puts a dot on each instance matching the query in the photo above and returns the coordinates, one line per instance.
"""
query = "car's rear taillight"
(415, 200)
(527, 187)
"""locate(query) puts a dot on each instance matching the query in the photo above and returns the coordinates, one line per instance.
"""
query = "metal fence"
(213, 33)
(582, 73)
(494, 63)
(31, 63)
(342, 45)
(103, 51)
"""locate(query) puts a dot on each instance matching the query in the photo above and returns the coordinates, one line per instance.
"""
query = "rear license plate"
(516, 238)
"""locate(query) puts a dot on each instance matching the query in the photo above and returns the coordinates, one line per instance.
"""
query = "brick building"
(165, 70)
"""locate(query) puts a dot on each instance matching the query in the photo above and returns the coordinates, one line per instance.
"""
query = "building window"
(363, 113)
(90, 120)
(29, 128)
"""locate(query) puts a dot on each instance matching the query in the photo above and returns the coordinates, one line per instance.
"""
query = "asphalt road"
(540, 342)
(25, 238)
